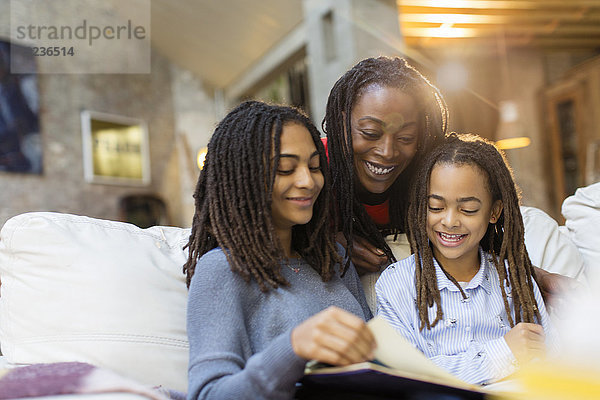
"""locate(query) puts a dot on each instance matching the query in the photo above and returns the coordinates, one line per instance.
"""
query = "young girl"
(263, 270)
(466, 297)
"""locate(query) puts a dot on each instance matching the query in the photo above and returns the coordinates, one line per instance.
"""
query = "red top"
(379, 213)
(324, 141)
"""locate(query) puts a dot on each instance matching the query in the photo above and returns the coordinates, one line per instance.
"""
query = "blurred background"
(128, 146)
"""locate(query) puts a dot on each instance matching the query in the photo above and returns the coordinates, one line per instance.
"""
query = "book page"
(396, 352)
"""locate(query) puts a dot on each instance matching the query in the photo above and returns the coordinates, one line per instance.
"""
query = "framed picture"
(20, 139)
(565, 111)
(115, 149)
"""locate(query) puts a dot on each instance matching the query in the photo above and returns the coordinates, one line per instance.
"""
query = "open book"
(398, 368)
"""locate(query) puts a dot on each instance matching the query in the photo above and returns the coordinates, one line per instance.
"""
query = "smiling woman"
(384, 136)
(267, 290)
(382, 116)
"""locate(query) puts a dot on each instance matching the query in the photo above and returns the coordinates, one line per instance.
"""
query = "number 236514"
(53, 51)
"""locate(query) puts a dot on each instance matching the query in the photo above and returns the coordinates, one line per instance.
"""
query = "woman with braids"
(467, 297)
(267, 288)
(382, 117)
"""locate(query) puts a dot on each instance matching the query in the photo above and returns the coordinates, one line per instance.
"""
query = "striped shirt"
(469, 341)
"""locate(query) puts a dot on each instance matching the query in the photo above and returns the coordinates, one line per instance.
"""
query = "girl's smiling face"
(460, 207)
(299, 179)
(384, 122)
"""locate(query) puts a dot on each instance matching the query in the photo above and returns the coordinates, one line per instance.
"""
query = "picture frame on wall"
(115, 149)
(20, 136)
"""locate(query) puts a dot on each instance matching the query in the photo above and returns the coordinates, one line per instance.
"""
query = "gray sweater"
(240, 337)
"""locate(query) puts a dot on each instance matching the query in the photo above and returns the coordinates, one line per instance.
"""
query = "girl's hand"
(365, 257)
(333, 336)
(526, 341)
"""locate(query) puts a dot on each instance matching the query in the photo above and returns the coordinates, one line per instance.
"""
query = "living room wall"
(61, 186)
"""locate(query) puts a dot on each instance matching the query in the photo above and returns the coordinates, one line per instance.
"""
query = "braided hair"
(234, 193)
(504, 240)
(432, 125)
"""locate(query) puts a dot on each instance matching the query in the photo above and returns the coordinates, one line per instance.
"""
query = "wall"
(361, 29)
(527, 79)
(150, 97)
(195, 120)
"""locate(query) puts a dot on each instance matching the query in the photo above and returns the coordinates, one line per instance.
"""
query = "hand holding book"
(398, 367)
(333, 336)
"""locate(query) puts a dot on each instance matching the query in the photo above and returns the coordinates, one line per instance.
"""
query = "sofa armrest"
(103, 292)
(582, 215)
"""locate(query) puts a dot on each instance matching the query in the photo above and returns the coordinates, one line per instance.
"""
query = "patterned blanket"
(72, 378)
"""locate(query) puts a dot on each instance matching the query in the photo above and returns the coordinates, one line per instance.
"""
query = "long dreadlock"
(432, 126)
(234, 193)
(504, 240)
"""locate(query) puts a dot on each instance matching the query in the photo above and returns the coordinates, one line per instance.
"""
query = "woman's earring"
(496, 229)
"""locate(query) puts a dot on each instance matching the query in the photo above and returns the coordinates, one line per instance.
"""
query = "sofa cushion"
(582, 219)
(107, 293)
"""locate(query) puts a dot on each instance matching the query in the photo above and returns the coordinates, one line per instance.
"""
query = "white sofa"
(102, 292)
(111, 294)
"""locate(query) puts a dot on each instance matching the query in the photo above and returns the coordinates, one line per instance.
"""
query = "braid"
(504, 240)
(233, 199)
(428, 293)
(433, 120)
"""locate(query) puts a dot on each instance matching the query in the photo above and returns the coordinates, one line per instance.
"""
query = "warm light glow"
(510, 133)
(453, 18)
(480, 4)
(513, 143)
(201, 157)
(452, 76)
(444, 31)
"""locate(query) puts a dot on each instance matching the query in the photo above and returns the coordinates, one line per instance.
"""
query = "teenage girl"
(467, 297)
(267, 288)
